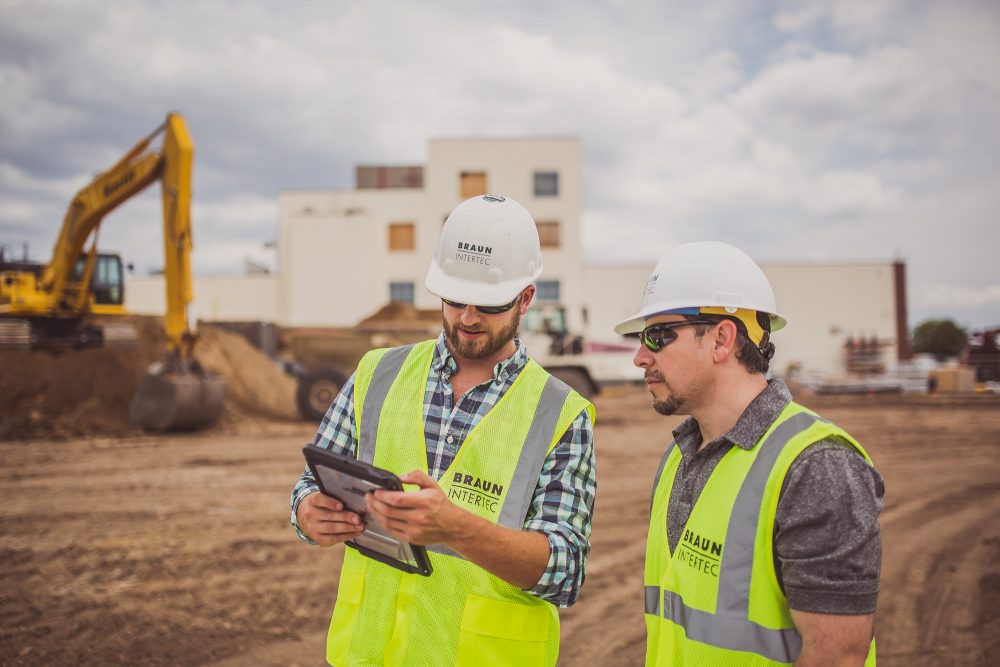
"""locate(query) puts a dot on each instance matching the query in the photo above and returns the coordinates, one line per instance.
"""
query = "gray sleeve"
(827, 544)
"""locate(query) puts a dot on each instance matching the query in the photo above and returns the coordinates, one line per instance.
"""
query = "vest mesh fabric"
(461, 614)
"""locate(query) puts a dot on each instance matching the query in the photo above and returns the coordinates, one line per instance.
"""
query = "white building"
(343, 254)
(834, 312)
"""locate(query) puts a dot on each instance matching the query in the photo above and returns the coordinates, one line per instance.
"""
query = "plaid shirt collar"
(444, 364)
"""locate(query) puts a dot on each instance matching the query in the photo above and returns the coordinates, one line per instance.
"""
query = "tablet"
(348, 480)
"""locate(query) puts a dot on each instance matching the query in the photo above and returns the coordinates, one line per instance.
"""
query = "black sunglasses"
(485, 310)
(657, 336)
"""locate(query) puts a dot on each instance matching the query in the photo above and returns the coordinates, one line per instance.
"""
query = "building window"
(546, 184)
(402, 236)
(548, 234)
(548, 290)
(389, 177)
(472, 183)
(401, 292)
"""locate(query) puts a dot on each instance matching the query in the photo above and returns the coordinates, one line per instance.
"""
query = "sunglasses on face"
(657, 336)
(485, 310)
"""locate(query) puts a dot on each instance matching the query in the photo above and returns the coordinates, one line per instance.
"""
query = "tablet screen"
(351, 491)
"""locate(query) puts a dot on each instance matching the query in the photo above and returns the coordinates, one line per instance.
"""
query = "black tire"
(316, 391)
(576, 378)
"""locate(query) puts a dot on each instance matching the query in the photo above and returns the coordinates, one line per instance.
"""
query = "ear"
(724, 341)
(527, 294)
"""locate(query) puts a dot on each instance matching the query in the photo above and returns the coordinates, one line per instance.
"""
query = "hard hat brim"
(470, 291)
(637, 322)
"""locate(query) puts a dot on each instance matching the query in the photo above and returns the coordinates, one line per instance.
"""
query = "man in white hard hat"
(502, 453)
(763, 545)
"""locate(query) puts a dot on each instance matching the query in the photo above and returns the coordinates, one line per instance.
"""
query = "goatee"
(670, 405)
(485, 347)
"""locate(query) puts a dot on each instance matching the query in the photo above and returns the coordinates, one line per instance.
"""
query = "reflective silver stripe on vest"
(386, 370)
(652, 600)
(533, 452)
(730, 627)
(732, 632)
(443, 549)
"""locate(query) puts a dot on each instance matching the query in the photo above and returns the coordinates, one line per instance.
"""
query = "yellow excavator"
(62, 304)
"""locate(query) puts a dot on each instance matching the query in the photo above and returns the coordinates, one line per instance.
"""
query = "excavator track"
(15, 334)
(19, 333)
(119, 335)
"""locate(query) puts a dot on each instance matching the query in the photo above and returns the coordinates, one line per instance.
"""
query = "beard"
(672, 403)
(486, 346)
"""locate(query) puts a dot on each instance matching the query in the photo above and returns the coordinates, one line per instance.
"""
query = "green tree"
(942, 338)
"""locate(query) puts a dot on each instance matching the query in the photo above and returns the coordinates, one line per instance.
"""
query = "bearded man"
(502, 454)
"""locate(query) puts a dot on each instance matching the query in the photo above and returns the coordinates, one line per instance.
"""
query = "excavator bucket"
(174, 396)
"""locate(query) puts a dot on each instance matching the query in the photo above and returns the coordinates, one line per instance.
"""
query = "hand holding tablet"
(349, 480)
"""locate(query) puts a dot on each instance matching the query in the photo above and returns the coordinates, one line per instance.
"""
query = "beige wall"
(249, 298)
(334, 265)
(826, 304)
(823, 303)
(613, 294)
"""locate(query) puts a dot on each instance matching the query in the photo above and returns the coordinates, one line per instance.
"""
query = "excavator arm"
(179, 151)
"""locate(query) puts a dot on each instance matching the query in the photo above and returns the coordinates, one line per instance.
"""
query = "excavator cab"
(107, 281)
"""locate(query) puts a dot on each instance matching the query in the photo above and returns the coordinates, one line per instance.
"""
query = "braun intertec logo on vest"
(474, 491)
(474, 254)
(699, 553)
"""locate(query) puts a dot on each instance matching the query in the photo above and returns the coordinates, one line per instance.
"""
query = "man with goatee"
(763, 544)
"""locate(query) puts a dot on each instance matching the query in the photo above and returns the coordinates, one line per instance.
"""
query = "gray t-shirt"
(827, 545)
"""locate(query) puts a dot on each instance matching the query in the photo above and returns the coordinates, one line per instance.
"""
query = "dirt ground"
(176, 550)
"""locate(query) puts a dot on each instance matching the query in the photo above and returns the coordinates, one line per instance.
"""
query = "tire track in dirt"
(935, 573)
(177, 551)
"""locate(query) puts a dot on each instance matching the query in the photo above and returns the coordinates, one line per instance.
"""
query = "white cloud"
(876, 101)
(951, 296)
(827, 129)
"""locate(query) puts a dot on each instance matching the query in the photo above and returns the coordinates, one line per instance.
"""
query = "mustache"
(653, 375)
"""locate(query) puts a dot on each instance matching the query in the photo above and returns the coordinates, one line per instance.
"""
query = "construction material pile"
(402, 316)
(77, 393)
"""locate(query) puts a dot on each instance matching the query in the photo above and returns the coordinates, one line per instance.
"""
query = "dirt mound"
(74, 393)
(256, 387)
(401, 315)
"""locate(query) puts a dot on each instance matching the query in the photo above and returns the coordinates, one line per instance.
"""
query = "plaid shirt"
(563, 501)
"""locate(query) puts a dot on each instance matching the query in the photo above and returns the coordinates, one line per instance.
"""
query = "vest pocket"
(496, 633)
(345, 614)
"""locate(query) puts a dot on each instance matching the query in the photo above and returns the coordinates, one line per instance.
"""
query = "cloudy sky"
(825, 130)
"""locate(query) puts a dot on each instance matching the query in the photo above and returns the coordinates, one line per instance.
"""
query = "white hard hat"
(707, 278)
(487, 253)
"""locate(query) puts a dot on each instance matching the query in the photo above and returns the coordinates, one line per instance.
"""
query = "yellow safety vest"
(461, 614)
(716, 600)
